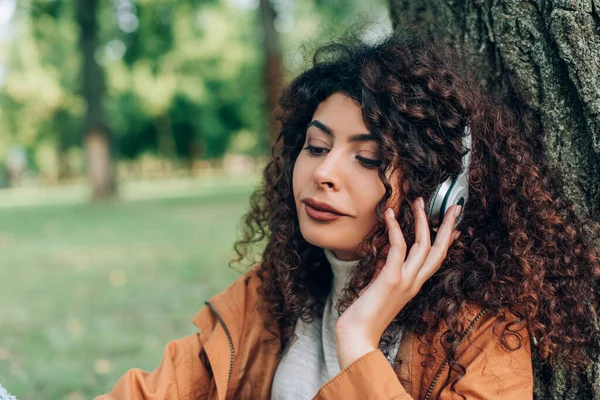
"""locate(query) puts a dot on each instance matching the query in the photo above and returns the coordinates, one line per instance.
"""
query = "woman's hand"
(359, 328)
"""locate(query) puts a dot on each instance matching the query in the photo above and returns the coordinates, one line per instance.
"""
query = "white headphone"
(451, 191)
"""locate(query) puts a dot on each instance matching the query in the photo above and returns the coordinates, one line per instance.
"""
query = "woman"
(358, 292)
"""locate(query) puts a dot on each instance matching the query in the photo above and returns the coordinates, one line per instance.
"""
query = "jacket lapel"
(216, 348)
(233, 334)
(220, 323)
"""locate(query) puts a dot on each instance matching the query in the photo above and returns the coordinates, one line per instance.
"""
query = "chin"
(325, 237)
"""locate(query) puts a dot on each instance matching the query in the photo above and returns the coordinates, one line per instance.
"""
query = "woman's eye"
(315, 151)
(367, 162)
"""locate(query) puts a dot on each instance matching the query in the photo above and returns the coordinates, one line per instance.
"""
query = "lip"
(321, 210)
(320, 215)
(321, 206)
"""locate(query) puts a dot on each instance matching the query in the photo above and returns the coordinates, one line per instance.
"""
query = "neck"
(341, 270)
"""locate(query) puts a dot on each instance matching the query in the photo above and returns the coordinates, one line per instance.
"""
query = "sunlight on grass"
(128, 190)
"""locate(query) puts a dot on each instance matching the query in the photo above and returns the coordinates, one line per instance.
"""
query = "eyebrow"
(357, 137)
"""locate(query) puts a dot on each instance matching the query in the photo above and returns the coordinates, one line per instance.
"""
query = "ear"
(396, 198)
(405, 186)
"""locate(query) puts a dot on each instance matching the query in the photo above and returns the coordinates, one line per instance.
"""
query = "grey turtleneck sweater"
(311, 361)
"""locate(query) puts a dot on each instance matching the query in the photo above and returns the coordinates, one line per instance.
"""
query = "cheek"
(294, 180)
(367, 195)
(299, 174)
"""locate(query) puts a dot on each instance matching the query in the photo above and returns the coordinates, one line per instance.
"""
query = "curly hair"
(522, 247)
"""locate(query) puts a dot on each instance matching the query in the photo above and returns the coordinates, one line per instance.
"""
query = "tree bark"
(273, 66)
(97, 139)
(546, 55)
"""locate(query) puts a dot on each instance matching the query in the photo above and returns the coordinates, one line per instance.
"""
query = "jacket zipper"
(232, 350)
(445, 362)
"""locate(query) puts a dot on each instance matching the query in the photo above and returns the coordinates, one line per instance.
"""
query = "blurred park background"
(132, 133)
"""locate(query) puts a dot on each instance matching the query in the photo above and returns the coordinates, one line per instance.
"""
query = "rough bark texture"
(547, 55)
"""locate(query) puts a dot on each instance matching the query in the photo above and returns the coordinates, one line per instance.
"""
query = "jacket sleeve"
(171, 380)
(369, 377)
(491, 373)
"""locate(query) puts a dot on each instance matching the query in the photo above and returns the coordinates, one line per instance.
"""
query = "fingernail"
(421, 203)
(457, 211)
(390, 212)
(456, 235)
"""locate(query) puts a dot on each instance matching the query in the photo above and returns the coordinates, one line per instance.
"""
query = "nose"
(328, 172)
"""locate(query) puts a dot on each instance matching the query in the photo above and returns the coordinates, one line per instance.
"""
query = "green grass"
(89, 291)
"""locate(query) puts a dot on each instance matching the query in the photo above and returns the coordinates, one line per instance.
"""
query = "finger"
(422, 234)
(420, 249)
(439, 249)
(397, 250)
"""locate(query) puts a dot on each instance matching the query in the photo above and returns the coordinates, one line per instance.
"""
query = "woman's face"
(338, 165)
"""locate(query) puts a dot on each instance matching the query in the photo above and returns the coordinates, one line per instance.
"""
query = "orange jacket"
(228, 360)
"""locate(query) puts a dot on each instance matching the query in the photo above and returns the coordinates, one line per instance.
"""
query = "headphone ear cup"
(436, 206)
(451, 191)
(429, 211)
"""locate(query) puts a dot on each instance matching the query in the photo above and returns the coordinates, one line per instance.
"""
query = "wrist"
(351, 349)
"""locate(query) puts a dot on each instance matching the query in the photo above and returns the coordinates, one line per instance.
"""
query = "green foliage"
(192, 64)
(40, 107)
(178, 78)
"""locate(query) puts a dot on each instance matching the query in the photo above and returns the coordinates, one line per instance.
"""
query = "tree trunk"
(546, 55)
(97, 139)
(273, 66)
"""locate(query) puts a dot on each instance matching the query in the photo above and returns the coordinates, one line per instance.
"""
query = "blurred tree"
(55, 37)
(39, 104)
(273, 68)
(148, 47)
(290, 28)
(181, 81)
(98, 141)
(182, 78)
(187, 75)
(545, 56)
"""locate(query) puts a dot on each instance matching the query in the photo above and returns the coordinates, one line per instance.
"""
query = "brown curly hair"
(522, 248)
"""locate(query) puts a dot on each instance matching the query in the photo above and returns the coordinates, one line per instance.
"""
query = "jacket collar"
(230, 315)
